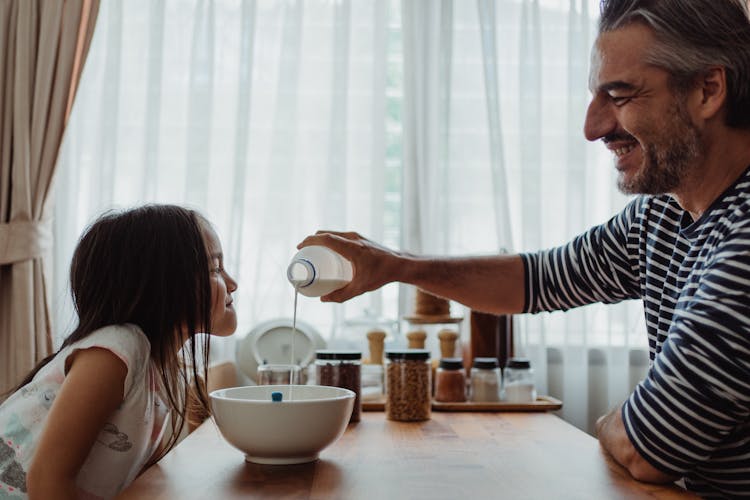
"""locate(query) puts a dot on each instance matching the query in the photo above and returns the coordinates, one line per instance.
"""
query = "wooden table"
(452, 456)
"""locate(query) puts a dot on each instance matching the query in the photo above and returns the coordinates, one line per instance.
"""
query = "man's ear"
(711, 87)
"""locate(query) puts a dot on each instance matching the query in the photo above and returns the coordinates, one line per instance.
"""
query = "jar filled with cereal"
(341, 369)
(408, 385)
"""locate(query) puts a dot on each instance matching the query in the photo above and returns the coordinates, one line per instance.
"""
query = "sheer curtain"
(451, 126)
(495, 97)
(266, 115)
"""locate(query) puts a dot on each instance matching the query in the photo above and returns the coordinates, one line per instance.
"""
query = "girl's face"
(223, 316)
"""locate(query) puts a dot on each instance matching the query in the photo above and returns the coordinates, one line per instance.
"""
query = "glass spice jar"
(450, 381)
(341, 369)
(485, 380)
(408, 385)
(518, 381)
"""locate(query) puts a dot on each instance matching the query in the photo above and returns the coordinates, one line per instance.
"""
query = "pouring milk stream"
(315, 271)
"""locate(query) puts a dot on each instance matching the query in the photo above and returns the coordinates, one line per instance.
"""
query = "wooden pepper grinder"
(416, 339)
(448, 340)
(376, 341)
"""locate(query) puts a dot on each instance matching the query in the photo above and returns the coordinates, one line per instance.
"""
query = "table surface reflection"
(454, 454)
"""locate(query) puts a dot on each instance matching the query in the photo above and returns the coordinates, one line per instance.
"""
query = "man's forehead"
(619, 55)
(594, 67)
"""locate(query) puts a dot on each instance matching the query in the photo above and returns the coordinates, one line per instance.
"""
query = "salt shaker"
(376, 343)
(372, 371)
(485, 380)
(518, 381)
(448, 338)
(416, 339)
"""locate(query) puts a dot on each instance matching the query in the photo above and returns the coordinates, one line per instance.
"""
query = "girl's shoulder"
(126, 341)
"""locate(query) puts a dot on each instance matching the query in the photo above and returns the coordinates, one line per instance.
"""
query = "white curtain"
(269, 116)
(451, 126)
(495, 96)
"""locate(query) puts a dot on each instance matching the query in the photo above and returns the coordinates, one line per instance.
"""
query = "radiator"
(589, 381)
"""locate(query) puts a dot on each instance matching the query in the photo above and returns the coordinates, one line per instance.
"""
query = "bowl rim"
(219, 394)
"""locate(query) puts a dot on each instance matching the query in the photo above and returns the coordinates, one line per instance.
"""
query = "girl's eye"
(217, 266)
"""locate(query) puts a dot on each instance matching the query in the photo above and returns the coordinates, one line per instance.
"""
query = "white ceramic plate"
(271, 342)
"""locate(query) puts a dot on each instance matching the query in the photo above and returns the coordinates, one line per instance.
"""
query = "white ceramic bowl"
(291, 431)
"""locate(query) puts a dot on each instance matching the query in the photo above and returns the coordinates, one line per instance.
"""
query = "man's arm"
(596, 266)
(614, 439)
(494, 284)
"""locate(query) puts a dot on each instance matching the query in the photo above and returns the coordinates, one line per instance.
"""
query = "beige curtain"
(43, 44)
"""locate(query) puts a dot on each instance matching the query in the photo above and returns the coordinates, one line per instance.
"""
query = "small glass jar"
(341, 369)
(408, 385)
(278, 374)
(450, 381)
(518, 381)
(485, 380)
(372, 382)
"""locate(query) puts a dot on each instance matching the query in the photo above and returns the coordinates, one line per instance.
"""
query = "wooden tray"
(374, 404)
(542, 403)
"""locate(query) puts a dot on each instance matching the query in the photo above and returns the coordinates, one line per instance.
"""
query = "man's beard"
(676, 152)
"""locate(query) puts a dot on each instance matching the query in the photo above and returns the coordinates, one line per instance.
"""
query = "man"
(671, 99)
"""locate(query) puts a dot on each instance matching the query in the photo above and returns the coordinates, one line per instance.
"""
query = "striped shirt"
(690, 417)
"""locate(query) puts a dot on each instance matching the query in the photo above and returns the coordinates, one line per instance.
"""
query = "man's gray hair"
(692, 36)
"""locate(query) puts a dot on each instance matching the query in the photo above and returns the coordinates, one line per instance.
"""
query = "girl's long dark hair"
(148, 266)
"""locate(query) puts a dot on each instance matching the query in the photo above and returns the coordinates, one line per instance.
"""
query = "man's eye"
(620, 100)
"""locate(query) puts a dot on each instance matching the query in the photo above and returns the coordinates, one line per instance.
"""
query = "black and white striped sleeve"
(600, 265)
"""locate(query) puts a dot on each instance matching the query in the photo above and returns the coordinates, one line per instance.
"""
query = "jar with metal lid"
(518, 381)
(341, 369)
(408, 385)
(485, 380)
(450, 381)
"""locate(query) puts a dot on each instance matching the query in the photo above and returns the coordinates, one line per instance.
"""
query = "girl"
(89, 418)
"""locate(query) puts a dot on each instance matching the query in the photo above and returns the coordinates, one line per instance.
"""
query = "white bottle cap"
(300, 273)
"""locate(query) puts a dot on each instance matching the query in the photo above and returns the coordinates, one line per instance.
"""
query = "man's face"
(640, 119)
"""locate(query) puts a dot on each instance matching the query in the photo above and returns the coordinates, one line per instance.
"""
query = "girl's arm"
(92, 390)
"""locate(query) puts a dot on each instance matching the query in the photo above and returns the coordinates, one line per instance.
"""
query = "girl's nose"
(600, 120)
(231, 284)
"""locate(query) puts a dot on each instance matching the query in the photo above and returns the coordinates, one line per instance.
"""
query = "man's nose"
(600, 120)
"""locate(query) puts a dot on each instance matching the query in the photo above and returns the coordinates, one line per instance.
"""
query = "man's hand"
(614, 439)
(374, 265)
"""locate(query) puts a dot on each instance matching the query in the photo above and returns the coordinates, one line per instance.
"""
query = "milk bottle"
(317, 270)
